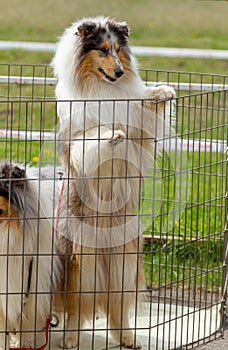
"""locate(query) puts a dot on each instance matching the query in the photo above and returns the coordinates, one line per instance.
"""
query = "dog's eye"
(104, 50)
(1, 211)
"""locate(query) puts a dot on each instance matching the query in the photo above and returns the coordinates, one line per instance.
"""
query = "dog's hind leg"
(4, 338)
(71, 302)
(124, 294)
(119, 323)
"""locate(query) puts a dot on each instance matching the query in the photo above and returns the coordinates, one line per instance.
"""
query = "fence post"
(224, 309)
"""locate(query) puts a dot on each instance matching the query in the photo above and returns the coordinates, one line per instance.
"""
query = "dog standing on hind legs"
(106, 142)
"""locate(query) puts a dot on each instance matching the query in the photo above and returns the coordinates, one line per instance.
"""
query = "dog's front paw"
(161, 93)
(4, 343)
(115, 136)
(69, 341)
(129, 341)
(29, 341)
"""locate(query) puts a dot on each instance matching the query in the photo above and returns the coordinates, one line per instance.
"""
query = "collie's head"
(12, 185)
(92, 50)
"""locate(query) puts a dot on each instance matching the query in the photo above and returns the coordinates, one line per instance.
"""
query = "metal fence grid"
(183, 205)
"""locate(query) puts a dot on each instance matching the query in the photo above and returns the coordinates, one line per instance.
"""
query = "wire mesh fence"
(181, 216)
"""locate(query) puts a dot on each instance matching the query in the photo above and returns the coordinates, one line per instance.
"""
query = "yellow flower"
(35, 159)
(195, 35)
(152, 25)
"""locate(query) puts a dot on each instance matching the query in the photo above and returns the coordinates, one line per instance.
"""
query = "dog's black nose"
(118, 72)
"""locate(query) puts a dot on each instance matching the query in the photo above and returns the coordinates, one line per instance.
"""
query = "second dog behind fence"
(30, 269)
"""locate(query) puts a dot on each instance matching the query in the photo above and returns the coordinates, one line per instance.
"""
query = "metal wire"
(183, 208)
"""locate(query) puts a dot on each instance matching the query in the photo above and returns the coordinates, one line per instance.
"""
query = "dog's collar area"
(113, 80)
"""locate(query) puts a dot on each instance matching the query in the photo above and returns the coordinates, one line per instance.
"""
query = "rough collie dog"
(109, 124)
(29, 268)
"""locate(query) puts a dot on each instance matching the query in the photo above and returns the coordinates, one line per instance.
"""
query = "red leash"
(59, 206)
(49, 319)
(46, 342)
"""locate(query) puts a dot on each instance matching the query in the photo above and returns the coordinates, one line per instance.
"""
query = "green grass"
(196, 24)
(154, 23)
(192, 232)
(185, 265)
(191, 253)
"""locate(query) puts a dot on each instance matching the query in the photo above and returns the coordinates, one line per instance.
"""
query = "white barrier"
(28, 46)
(180, 52)
(20, 80)
(137, 50)
(52, 81)
(169, 144)
(27, 135)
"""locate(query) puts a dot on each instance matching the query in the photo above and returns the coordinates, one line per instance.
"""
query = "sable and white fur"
(29, 267)
(106, 148)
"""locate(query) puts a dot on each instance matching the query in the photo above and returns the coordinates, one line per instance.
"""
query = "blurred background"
(190, 259)
(165, 23)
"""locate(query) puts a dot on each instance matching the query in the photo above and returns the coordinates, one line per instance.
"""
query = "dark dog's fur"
(28, 269)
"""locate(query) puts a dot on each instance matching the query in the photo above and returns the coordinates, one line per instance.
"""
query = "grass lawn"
(192, 247)
(196, 24)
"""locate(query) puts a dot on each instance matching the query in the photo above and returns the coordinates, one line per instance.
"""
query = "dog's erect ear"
(123, 28)
(85, 29)
(13, 173)
(120, 28)
(12, 181)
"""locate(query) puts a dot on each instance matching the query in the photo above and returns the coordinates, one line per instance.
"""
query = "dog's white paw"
(4, 347)
(69, 341)
(4, 341)
(129, 342)
(115, 136)
(161, 93)
(28, 340)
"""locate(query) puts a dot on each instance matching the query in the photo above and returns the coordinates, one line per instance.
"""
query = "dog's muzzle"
(118, 72)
